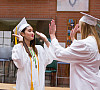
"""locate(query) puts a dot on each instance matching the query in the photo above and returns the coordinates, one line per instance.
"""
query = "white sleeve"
(18, 56)
(77, 52)
(49, 54)
(43, 54)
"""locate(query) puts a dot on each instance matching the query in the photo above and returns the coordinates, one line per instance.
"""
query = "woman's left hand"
(44, 38)
(41, 35)
(73, 32)
(20, 38)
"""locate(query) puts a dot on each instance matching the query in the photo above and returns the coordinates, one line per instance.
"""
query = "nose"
(32, 32)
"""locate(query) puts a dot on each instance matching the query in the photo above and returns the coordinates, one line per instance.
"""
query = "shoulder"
(17, 46)
(80, 45)
(92, 43)
(84, 42)
(88, 44)
(39, 48)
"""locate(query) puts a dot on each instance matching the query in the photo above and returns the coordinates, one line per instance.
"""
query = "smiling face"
(28, 34)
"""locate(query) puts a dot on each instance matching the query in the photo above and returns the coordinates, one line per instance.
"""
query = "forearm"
(52, 37)
(47, 42)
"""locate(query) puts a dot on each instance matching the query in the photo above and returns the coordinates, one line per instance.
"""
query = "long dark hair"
(32, 44)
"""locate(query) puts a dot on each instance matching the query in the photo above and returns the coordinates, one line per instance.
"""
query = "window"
(5, 38)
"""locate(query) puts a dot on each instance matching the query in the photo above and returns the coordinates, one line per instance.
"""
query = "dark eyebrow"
(30, 29)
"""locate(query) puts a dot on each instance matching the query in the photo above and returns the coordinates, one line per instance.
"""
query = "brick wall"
(44, 9)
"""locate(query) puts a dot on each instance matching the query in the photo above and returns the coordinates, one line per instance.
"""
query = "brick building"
(43, 10)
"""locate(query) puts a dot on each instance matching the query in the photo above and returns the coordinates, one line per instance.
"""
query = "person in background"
(83, 55)
(30, 59)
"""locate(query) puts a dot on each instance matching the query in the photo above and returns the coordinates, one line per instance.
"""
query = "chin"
(32, 39)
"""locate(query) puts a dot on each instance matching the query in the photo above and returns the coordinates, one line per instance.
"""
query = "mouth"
(32, 35)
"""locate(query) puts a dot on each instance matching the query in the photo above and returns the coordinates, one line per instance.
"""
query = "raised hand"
(41, 35)
(18, 36)
(52, 29)
(73, 32)
(76, 28)
(44, 38)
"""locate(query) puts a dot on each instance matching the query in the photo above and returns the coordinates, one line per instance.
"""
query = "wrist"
(45, 40)
(52, 37)
(20, 41)
(20, 38)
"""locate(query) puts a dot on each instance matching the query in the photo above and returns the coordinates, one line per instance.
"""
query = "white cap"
(89, 19)
(23, 23)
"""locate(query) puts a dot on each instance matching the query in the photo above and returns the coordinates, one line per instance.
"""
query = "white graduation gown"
(22, 61)
(84, 60)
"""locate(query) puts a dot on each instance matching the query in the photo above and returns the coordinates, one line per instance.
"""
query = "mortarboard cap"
(23, 23)
(89, 19)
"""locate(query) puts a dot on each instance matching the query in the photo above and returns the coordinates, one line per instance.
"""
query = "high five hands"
(52, 31)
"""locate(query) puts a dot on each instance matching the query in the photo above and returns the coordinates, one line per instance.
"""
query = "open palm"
(52, 28)
(18, 36)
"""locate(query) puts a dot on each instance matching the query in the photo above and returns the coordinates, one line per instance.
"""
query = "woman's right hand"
(52, 29)
(20, 38)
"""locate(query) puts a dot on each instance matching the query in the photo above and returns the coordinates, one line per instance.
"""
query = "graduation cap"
(89, 19)
(23, 23)
(17, 30)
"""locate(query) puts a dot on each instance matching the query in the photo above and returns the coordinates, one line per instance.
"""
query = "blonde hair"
(87, 30)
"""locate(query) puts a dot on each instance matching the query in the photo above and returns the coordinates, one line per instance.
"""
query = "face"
(28, 34)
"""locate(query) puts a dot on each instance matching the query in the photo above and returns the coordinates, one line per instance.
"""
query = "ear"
(22, 34)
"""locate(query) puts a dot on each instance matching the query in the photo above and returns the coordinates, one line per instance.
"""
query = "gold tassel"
(16, 37)
(32, 86)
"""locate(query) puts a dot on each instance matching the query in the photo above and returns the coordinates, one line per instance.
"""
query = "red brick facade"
(44, 9)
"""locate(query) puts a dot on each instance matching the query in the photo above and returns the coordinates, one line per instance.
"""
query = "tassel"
(16, 37)
(32, 86)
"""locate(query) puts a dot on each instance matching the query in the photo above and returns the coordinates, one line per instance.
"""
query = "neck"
(27, 42)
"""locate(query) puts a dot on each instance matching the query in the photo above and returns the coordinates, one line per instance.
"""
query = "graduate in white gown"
(30, 59)
(83, 55)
